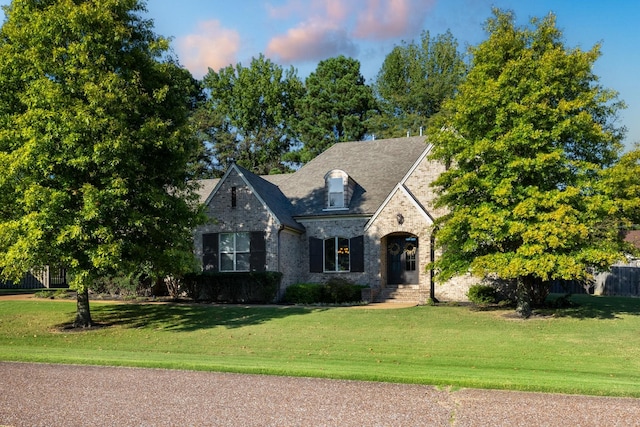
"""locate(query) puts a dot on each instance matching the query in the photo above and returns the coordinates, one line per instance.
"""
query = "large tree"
(414, 80)
(94, 142)
(252, 110)
(527, 139)
(334, 108)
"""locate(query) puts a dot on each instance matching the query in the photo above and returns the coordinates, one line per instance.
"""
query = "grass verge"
(593, 348)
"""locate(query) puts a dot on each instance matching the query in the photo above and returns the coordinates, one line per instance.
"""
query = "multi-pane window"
(235, 251)
(410, 250)
(336, 193)
(336, 254)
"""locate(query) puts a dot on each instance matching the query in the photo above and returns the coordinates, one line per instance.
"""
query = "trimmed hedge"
(303, 293)
(241, 287)
(335, 291)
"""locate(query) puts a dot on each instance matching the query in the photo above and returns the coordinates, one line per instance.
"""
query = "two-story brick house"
(360, 210)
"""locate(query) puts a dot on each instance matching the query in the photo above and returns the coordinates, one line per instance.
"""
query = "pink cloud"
(211, 46)
(329, 27)
(382, 19)
(310, 41)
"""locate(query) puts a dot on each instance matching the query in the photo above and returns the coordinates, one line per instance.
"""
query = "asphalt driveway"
(66, 395)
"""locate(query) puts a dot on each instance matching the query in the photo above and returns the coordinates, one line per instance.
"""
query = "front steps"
(399, 294)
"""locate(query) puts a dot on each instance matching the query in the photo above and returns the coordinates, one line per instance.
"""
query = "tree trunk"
(523, 298)
(83, 314)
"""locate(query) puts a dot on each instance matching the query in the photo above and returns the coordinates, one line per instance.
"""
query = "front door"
(402, 260)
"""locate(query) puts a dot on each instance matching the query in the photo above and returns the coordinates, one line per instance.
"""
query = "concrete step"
(400, 294)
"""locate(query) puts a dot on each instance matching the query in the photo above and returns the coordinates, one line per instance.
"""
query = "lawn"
(590, 349)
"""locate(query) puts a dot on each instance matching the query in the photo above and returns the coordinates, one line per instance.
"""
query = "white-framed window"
(336, 254)
(336, 192)
(235, 251)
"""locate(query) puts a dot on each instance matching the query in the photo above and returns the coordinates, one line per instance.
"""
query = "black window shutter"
(315, 255)
(210, 252)
(258, 256)
(356, 248)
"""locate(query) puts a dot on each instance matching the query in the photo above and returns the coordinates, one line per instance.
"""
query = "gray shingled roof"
(376, 167)
(205, 187)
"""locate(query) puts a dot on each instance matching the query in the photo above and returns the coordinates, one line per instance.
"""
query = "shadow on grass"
(187, 317)
(598, 307)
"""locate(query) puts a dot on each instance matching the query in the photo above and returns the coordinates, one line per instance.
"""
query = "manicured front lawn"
(591, 349)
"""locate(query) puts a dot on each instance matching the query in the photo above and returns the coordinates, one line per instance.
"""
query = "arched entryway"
(402, 259)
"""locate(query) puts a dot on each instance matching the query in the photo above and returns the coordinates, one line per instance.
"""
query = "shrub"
(54, 293)
(304, 293)
(340, 291)
(241, 287)
(335, 291)
(482, 294)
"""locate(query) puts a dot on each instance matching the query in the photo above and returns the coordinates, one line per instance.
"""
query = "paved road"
(65, 395)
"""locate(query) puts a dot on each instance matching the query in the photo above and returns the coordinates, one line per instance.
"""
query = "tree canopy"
(252, 109)
(95, 142)
(527, 138)
(334, 108)
(414, 80)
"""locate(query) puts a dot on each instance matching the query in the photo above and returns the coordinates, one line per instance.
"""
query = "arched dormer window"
(336, 183)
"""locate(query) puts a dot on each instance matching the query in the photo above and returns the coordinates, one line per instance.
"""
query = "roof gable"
(266, 192)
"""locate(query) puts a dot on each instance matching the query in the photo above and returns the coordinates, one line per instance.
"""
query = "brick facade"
(235, 205)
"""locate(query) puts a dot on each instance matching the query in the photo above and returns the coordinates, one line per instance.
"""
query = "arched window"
(336, 183)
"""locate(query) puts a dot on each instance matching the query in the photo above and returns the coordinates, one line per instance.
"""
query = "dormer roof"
(375, 167)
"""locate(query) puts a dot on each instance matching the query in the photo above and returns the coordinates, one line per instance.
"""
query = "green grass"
(591, 349)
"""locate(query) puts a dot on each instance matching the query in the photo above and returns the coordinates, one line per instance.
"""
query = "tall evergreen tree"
(334, 108)
(95, 142)
(252, 111)
(413, 82)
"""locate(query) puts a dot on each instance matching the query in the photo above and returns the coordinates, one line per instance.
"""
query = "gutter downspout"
(279, 294)
(432, 259)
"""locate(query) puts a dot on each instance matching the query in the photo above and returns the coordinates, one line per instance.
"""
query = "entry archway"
(402, 259)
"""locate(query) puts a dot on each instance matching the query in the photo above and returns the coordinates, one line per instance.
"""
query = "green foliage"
(621, 183)
(527, 138)
(334, 108)
(482, 294)
(251, 110)
(339, 291)
(414, 80)
(53, 294)
(335, 291)
(95, 142)
(303, 293)
(252, 287)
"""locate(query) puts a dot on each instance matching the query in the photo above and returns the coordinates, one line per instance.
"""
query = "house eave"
(325, 217)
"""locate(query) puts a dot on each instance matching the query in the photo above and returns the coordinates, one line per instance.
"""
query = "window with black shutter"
(258, 251)
(315, 255)
(357, 254)
(336, 254)
(210, 252)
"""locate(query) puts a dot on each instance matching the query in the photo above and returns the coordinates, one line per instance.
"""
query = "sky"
(300, 33)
